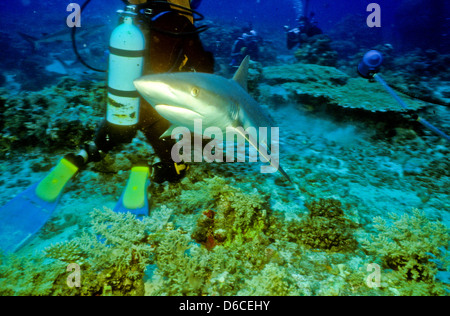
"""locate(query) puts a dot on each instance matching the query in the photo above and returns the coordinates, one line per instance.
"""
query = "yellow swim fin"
(23, 216)
(134, 197)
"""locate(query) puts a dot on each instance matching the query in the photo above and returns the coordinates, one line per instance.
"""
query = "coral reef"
(232, 230)
(63, 116)
(113, 255)
(413, 247)
(421, 74)
(317, 86)
(326, 228)
(273, 280)
(239, 217)
(418, 73)
(317, 50)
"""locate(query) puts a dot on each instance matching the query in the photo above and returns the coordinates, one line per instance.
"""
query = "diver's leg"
(153, 126)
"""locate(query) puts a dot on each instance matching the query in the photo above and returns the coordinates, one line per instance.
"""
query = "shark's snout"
(138, 84)
(143, 85)
(153, 90)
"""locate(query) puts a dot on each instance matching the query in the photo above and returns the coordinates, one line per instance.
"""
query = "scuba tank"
(126, 62)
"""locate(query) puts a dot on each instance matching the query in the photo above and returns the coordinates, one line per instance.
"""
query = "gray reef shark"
(64, 35)
(185, 97)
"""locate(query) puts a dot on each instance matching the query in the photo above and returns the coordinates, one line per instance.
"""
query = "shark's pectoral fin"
(168, 132)
(271, 161)
(252, 140)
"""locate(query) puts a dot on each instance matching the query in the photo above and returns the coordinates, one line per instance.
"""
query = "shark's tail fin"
(31, 39)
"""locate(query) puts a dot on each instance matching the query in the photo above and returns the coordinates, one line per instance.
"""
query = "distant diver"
(307, 27)
(246, 44)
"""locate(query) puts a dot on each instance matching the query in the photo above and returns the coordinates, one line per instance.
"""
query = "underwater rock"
(317, 85)
(62, 116)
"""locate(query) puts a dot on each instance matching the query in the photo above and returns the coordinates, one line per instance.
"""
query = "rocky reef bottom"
(368, 215)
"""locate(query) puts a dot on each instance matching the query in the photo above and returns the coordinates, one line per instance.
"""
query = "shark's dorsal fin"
(242, 73)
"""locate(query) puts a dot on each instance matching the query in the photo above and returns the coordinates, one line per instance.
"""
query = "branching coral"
(238, 216)
(326, 228)
(409, 244)
(317, 50)
(112, 255)
(31, 276)
(273, 280)
(53, 117)
(186, 268)
(182, 267)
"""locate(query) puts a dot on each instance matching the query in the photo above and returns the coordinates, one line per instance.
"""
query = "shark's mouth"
(175, 113)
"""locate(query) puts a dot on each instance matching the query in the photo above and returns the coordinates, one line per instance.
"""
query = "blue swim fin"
(23, 216)
(134, 197)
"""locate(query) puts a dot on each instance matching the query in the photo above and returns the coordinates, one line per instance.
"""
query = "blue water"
(423, 17)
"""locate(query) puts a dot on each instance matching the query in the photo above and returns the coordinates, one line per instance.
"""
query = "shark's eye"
(195, 91)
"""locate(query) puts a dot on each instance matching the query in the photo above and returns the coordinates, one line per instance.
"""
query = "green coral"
(21, 276)
(329, 208)
(410, 245)
(273, 280)
(242, 215)
(189, 196)
(237, 216)
(183, 268)
(316, 85)
(54, 117)
(112, 255)
(186, 268)
(326, 228)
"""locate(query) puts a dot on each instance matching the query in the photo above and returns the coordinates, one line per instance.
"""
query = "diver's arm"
(292, 38)
(237, 47)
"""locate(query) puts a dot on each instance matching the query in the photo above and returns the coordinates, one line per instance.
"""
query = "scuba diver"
(152, 37)
(307, 27)
(246, 44)
(174, 45)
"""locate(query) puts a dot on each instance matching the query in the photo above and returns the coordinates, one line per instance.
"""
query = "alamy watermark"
(74, 278)
(263, 141)
(374, 18)
(374, 279)
(74, 18)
